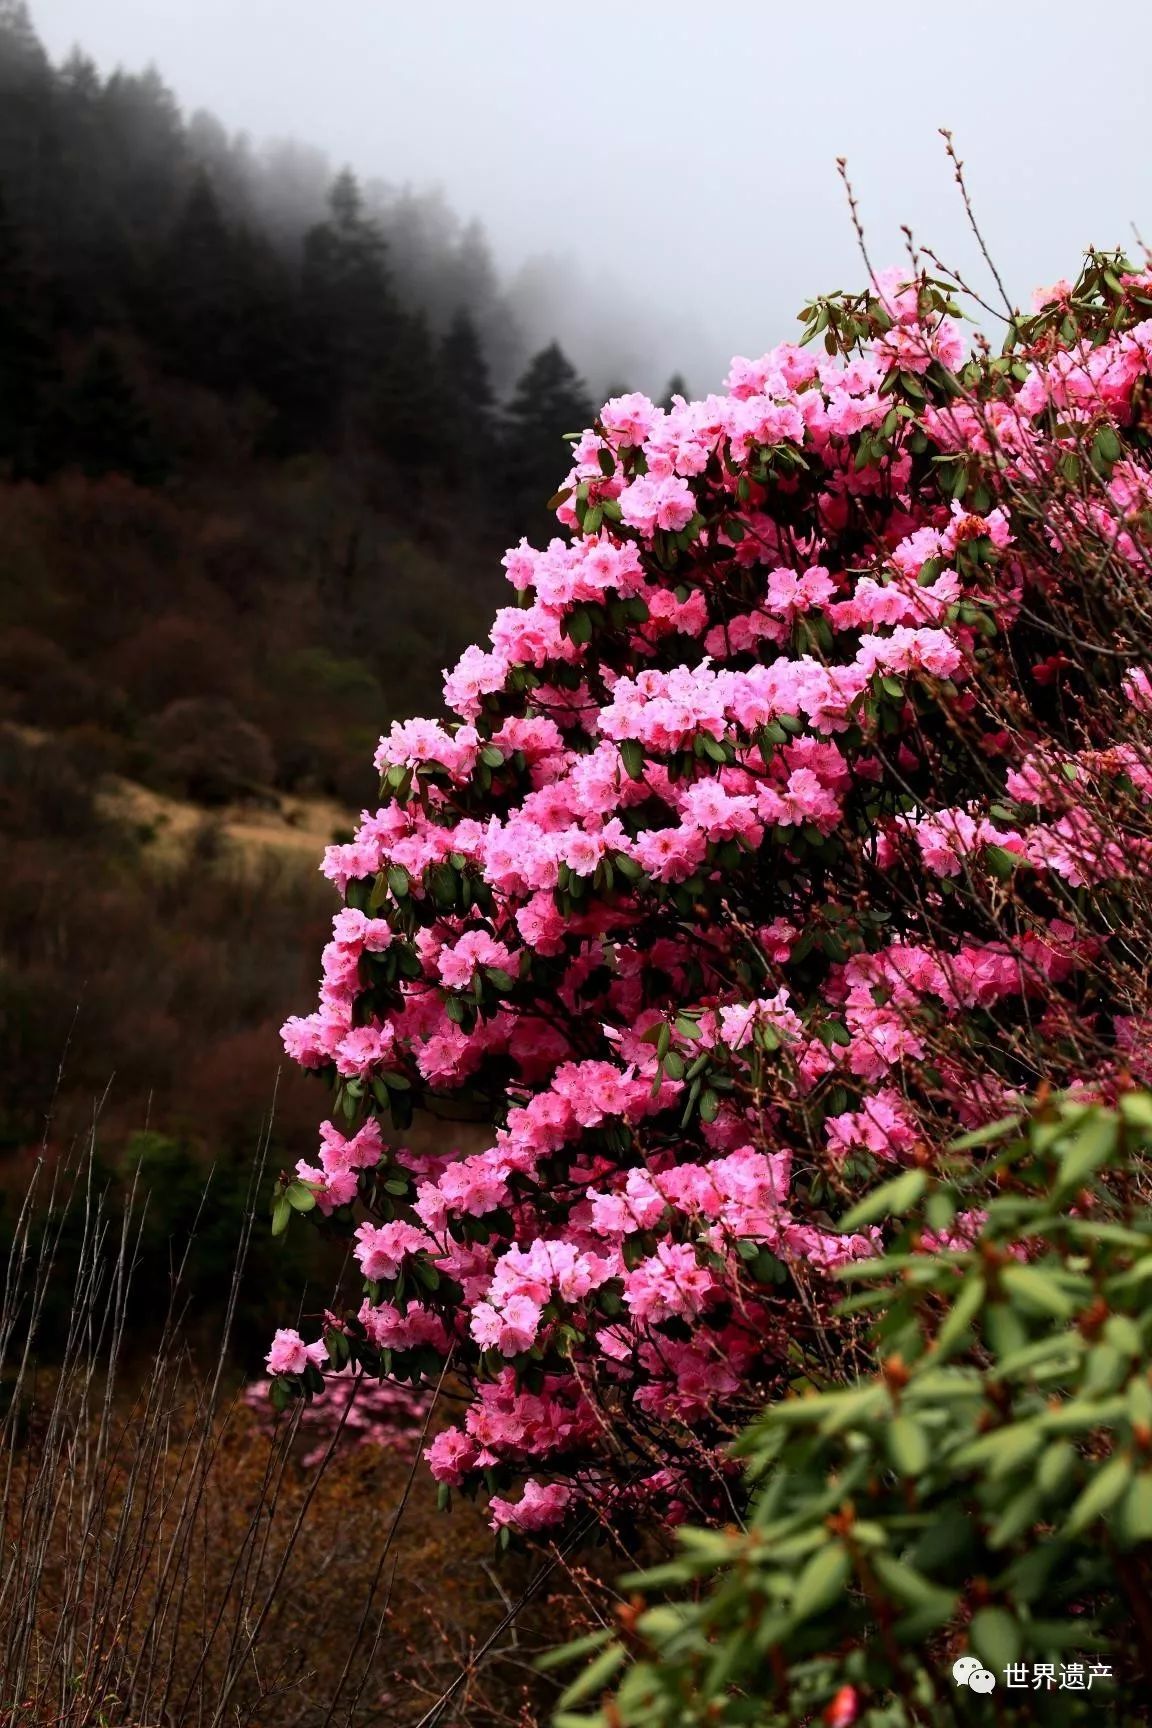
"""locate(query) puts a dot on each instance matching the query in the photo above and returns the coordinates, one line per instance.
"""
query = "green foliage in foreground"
(987, 1488)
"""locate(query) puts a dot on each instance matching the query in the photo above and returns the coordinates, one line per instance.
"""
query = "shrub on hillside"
(42, 687)
(794, 818)
(176, 658)
(201, 748)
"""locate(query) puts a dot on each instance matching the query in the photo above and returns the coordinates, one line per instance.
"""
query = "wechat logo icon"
(969, 1671)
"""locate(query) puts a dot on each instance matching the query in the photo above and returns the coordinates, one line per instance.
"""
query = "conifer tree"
(549, 400)
(28, 366)
(194, 302)
(466, 389)
(674, 387)
(408, 406)
(348, 306)
(103, 426)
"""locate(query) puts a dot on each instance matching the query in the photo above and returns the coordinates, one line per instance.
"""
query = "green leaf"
(907, 1446)
(1136, 1109)
(998, 1130)
(565, 1653)
(299, 1197)
(281, 1213)
(1001, 861)
(426, 1273)
(395, 1082)
(632, 756)
(1100, 1495)
(911, 1587)
(994, 1635)
(1123, 1335)
(821, 1582)
(1133, 1519)
(1037, 1290)
(595, 1677)
(1056, 1466)
(1092, 1144)
(958, 1322)
(578, 625)
(833, 1032)
(890, 1199)
(398, 880)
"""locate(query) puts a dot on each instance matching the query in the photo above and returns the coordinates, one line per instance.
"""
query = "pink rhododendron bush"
(794, 820)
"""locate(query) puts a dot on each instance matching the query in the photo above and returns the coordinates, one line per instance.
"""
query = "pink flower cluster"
(354, 1411)
(754, 856)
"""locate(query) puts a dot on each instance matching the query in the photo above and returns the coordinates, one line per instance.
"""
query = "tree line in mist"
(346, 318)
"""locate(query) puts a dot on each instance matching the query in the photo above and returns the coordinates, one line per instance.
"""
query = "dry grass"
(300, 826)
(165, 1563)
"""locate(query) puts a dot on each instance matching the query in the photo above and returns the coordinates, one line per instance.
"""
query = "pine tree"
(26, 129)
(345, 276)
(675, 387)
(193, 308)
(148, 168)
(103, 429)
(349, 312)
(29, 371)
(22, 57)
(407, 415)
(550, 400)
(468, 398)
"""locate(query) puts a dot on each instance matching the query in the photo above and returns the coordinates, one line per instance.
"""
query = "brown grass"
(165, 1563)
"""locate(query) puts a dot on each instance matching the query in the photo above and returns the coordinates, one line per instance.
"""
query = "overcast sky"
(687, 147)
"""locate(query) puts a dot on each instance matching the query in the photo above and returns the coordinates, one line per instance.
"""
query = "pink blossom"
(290, 1355)
(539, 1508)
(662, 501)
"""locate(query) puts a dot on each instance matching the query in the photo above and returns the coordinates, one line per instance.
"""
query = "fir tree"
(675, 387)
(348, 307)
(467, 393)
(193, 303)
(408, 406)
(29, 370)
(549, 401)
(103, 427)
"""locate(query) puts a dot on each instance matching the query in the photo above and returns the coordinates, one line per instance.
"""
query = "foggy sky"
(686, 148)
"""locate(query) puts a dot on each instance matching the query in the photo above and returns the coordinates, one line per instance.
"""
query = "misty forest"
(692, 1265)
(265, 434)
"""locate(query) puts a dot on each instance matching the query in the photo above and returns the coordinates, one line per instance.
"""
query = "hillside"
(262, 442)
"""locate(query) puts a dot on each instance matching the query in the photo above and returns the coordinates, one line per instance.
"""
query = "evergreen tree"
(675, 387)
(103, 429)
(148, 167)
(348, 307)
(26, 141)
(192, 303)
(29, 370)
(93, 249)
(550, 400)
(408, 420)
(468, 397)
(18, 38)
(345, 277)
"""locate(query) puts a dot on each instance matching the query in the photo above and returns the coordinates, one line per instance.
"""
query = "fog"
(669, 171)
